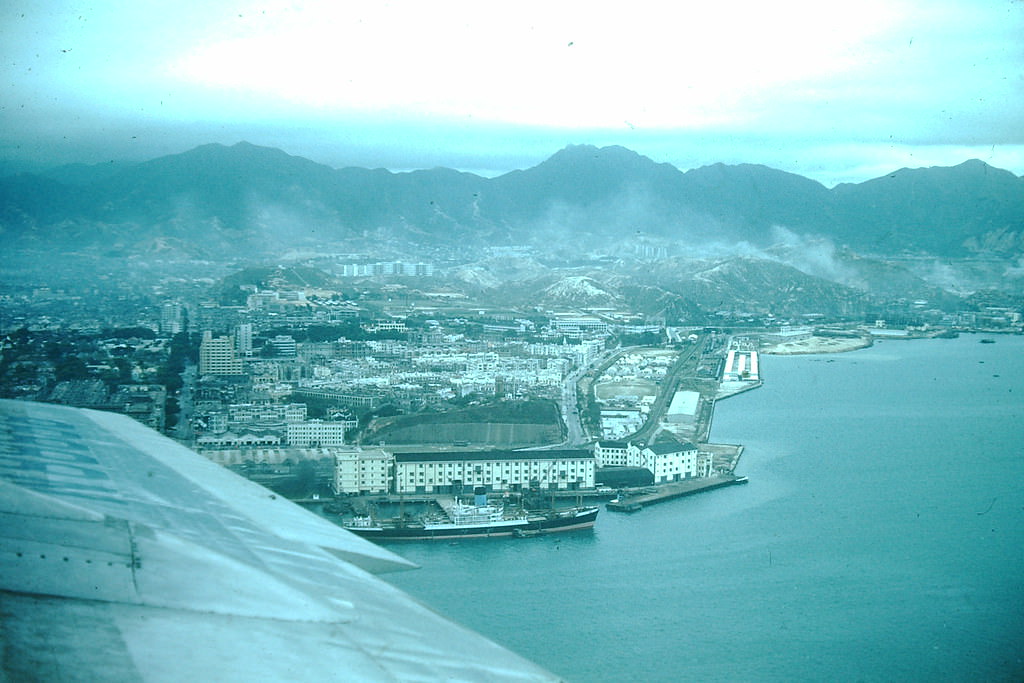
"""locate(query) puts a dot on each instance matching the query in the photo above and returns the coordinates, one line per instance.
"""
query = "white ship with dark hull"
(462, 520)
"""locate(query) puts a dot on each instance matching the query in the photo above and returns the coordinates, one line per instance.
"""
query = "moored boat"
(462, 520)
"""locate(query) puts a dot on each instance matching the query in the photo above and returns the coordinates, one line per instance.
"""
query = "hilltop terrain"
(589, 227)
(257, 200)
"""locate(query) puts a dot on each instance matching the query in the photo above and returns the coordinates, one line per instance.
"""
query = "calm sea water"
(881, 538)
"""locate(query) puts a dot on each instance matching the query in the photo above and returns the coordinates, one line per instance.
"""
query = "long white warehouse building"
(741, 366)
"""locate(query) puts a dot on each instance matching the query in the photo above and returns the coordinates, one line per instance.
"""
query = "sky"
(835, 91)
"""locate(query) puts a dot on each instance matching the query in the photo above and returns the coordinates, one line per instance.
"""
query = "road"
(685, 367)
(576, 436)
(183, 431)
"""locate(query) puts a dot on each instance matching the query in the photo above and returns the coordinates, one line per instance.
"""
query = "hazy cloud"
(828, 90)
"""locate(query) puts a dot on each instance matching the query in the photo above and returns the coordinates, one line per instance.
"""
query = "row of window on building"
(386, 268)
(377, 471)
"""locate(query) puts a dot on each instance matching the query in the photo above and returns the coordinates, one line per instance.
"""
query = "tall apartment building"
(217, 356)
(172, 318)
(243, 339)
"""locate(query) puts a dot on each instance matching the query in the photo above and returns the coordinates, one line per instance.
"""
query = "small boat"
(621, 506)
(527, 533)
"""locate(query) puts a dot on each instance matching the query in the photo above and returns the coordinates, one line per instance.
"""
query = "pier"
(651, 495)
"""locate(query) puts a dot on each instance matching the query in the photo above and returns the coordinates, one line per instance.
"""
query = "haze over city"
(835, 92)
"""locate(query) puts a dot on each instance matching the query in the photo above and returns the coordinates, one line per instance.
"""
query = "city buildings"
(669, 461)
(266, 412)
(243, 439)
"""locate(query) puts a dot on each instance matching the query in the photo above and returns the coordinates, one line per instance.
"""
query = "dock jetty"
(640, 498)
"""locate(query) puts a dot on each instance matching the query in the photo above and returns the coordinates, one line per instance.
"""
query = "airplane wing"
(126, 556)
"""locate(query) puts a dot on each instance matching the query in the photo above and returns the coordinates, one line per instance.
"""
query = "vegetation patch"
(475, 434)
(504, 423)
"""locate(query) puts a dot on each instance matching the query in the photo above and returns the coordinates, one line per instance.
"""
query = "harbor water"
(881, 538)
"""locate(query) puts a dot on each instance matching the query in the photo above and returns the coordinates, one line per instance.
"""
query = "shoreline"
(815, 344)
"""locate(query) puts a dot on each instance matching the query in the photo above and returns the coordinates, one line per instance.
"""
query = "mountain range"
(256, 201)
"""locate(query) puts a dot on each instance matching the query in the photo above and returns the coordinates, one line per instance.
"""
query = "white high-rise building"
(217, 356)
(243, 339)
(172, 318)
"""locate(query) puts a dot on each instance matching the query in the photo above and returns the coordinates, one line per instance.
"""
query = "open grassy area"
(504, 424)
(626, 387)
(503, 435)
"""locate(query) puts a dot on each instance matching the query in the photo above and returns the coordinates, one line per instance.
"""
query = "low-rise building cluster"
(628, 390)
(264, 425)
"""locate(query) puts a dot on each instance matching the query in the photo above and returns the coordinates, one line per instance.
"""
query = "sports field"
(626, 387)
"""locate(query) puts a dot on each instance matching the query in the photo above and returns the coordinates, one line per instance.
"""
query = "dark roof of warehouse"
(671, 447)
(472, 456)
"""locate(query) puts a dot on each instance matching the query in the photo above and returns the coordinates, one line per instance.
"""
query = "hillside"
(258, 201)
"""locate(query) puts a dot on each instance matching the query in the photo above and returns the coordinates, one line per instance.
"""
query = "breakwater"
(642, 498)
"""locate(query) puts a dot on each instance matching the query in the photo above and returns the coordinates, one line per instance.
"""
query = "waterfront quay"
(636, 499)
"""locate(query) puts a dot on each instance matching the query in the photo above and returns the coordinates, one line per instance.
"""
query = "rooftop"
(474, 456)
(671, 447)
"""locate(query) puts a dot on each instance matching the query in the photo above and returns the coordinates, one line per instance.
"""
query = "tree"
(305, 477)
(130, 333)
(70, 368)
(181, 349)
(172, 411)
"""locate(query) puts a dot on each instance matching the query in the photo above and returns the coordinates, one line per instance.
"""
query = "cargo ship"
(477, 520)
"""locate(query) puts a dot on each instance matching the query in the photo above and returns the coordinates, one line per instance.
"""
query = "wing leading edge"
(124, 554)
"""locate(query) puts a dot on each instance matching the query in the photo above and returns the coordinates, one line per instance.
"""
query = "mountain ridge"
(259, 199)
